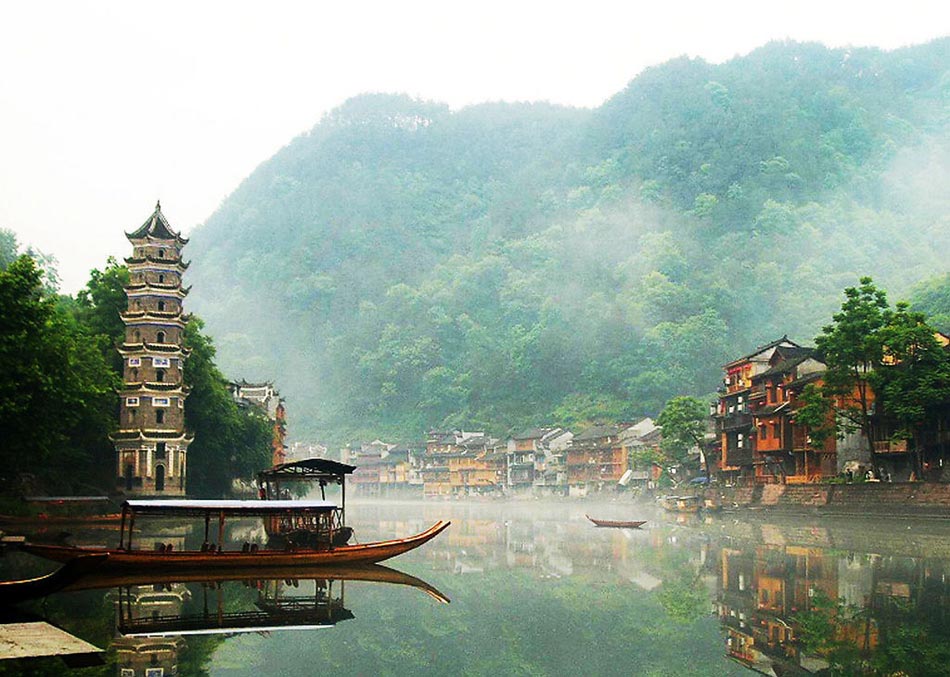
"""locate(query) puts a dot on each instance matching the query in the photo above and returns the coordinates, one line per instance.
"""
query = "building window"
(160, 451)
(160, 375)
(160, 337)
(161, 306)
(160, 402)
(161, 362)
(161, 253)
(161, 279)
(160, 416)
(131, 401)
(739, 441)
(135, 361)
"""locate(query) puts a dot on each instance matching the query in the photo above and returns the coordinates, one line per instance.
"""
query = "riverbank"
(897, 499)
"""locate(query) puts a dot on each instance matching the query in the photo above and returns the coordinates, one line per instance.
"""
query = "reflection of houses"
(597, 459)
(763, 590)
(149, 656)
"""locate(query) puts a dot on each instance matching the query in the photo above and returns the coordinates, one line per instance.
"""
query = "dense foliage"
(882, 362)
(57, 392)
(59, 373)
(403, 265)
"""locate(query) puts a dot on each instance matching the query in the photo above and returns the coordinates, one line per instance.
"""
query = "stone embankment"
(897, 499)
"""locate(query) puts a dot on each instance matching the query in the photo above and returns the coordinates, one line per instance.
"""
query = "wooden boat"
(321, 515)
(17, 591)
(617, 523)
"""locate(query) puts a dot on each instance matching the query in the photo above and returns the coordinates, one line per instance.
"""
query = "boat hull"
(617, 524)
(120, 559)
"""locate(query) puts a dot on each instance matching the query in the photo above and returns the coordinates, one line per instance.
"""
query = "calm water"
(535, 589)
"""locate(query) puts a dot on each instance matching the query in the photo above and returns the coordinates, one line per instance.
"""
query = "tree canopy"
(403, 266)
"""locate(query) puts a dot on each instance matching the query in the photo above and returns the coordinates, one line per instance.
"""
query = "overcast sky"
(107, 106)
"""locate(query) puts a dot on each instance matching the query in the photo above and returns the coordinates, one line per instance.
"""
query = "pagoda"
(151, 443)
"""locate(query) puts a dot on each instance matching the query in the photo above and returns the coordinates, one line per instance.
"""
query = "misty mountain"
(403, 266)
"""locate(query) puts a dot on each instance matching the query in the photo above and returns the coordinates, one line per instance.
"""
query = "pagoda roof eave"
(156, 227)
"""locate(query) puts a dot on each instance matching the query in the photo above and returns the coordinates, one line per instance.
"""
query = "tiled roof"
(156, 226)
(761, 349)
(596, 432)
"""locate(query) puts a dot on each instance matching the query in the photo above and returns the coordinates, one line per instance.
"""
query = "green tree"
(56, 390)
(913, 381)
(99, 306)
(683, 421)
(852, 348)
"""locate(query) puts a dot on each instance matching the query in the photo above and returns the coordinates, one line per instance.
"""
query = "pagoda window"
(160, 337)
(136, 335)
(161, 305)
(161, 279)
(160, 375)
(160, 451)
(161, 253)
(135, 361)
(160, 416)
(135, 376)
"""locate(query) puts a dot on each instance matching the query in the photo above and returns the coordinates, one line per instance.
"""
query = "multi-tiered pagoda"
(151, 443)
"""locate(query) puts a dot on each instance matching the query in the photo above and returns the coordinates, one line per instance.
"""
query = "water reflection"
(815, 609)
(537, 589)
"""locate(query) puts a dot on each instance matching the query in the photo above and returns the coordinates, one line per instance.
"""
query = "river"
(533, 588)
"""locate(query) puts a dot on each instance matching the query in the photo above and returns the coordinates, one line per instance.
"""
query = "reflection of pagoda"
(291, 604)
(149, 656)
(151, 443)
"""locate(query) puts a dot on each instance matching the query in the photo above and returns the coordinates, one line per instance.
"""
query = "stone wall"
(870, 498)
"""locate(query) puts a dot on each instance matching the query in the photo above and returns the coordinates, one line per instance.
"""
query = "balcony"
(735, 420)
(891, 447)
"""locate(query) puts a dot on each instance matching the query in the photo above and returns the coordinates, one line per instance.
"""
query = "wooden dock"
(39, 639)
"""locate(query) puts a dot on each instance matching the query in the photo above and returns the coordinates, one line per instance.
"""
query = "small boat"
(69, 573)
(322, 517)
(617, 524)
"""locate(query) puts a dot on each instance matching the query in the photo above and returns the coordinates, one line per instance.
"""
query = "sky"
(106, 107)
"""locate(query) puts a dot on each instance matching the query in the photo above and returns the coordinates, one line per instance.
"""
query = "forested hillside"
(403, 266)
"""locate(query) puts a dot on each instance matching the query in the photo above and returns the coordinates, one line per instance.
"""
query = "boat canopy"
(231, 507)
(309, 468)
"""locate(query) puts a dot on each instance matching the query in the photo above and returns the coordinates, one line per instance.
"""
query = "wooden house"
(596, 460)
